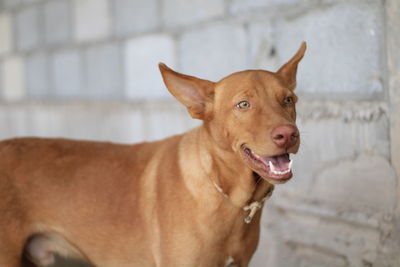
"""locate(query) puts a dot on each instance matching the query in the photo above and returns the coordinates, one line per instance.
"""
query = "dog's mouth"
(276, 169)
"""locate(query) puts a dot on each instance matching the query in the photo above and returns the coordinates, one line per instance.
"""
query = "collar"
(254, 206)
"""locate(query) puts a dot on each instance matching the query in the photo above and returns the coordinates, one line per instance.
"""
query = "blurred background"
(87, 69)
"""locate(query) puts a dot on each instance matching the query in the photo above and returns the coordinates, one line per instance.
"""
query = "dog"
(189, 200)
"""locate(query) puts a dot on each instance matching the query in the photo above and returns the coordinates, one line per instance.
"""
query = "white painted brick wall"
(135, 16)
(142, 55)
(338, 186)
(28, 28)
(214, 51)
(37, 75)
(393, 84)
(238, 6)
(10, 3)
(392, 20)
(350, 243)
(31, 1)
(120, 122)
(182, 12)
(1, 79)
(13, 78)
(6, 42)
(68, 74)
(58, 24)
(104, 71)
(166, 121)
(344, 47)
(12, 122)
(262, 50)
(92, 19)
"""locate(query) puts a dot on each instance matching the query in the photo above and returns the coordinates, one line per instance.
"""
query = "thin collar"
(254, 206)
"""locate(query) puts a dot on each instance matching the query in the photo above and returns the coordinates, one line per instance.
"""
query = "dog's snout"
(285, 136)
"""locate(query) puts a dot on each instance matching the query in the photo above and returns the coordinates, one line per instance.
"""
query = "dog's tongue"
(281, 163)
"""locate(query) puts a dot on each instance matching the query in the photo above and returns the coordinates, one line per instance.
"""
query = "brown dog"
(189, 200)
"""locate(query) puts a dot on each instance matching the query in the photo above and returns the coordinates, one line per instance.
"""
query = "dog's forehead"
(250, 81)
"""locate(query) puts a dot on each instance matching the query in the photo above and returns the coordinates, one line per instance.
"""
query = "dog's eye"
(243, 105)
(288, 100)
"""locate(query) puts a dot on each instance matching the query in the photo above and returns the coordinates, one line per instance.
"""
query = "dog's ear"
(288, 71)
(196, 94)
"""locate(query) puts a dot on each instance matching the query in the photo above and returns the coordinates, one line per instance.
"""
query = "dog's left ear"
(196, 94)
(288, 71)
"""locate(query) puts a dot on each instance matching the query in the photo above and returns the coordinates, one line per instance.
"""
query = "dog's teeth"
(272, 168)
(274, 171)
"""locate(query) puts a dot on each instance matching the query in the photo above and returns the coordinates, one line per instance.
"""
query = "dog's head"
(251, 113)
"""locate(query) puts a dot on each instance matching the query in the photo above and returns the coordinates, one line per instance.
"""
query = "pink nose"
(285, 136)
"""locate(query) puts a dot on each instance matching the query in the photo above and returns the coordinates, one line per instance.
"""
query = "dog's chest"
(225, 243)
(236, 242)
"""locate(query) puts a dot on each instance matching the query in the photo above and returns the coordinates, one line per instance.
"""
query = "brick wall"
(87, 69)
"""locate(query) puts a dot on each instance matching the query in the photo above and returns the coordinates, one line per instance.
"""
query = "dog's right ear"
(196, 94)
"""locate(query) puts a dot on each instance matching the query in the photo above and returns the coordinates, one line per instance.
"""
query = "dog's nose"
(285, 136)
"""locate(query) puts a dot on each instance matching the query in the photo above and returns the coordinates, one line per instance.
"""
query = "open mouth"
(277, 168)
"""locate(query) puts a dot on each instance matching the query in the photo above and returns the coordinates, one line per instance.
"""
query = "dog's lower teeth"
(274, 171)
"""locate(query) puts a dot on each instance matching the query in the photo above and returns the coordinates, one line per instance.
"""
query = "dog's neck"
(228, 172)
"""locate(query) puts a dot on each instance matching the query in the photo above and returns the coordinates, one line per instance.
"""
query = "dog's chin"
(276, 169)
